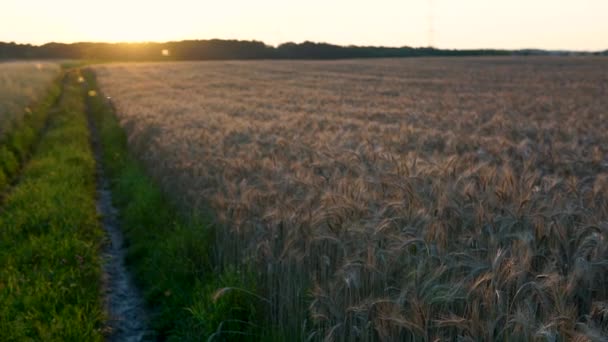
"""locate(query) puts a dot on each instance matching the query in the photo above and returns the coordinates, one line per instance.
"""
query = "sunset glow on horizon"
(544, 24)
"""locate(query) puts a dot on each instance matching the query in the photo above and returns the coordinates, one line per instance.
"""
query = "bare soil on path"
(123, 300)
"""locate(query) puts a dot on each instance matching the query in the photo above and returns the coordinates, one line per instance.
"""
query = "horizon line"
(301, 42)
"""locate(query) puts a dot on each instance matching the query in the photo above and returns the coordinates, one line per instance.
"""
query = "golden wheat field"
(22, 84)
(413, 199)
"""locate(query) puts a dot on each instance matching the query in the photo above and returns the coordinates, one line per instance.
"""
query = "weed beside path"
(127, 316)
(170, 254)
(17, 144)
(50, 236)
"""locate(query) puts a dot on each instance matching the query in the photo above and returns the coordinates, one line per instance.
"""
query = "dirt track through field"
(123, 301)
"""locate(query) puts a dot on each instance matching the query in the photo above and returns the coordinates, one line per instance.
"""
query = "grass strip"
(171, 253)
(50, 236)
(16, 145)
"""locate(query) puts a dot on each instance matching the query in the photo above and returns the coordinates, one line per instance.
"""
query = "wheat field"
(413, 199)
(21, 85)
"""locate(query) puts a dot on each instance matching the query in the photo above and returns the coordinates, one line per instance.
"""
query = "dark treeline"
(227, 49)
(217, 49)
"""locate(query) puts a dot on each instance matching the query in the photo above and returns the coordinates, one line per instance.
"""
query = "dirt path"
(122, 298)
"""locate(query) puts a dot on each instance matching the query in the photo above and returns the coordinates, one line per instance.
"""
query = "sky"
(512, 24)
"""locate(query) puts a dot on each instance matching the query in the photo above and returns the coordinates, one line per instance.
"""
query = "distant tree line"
(217, 49)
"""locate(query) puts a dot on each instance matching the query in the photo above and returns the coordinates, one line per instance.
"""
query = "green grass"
(16, 144)
(50, 235)
(171, 253)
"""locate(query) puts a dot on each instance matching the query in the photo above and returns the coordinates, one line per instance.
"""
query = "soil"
(123, 301)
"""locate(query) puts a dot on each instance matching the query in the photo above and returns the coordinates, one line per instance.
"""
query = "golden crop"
(393, 199)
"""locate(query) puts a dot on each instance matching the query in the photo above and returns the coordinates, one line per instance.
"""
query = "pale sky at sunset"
(512, 24)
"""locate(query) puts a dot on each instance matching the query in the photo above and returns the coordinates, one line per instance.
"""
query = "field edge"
(50, 237)
(17, 144)
(170, 252)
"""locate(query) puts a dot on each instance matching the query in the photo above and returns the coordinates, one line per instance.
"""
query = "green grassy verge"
(170, 253)
(50, 268)
(16, 145)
